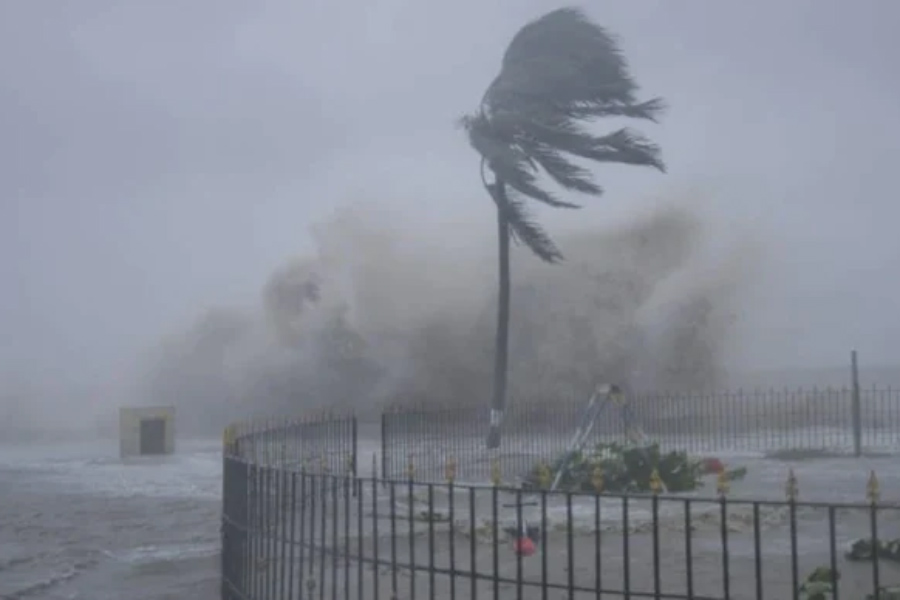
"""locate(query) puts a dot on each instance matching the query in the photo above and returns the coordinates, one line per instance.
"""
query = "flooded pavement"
(76, 522)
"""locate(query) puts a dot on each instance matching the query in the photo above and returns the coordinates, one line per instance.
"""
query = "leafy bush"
(624, 469)
(819, 584)
(865, 549)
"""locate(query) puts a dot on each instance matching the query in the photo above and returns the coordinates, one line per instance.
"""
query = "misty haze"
(247, 210)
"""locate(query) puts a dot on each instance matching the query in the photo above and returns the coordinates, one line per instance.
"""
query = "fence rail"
(300, 521)
(296, 534)
(835, 420)
(320, 443)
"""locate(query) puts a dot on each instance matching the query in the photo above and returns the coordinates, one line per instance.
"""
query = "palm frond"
(525, 230)
(625, 146)
(564, 135)
(564, 62)
(562, 171)
(558, 73)
(508, 160)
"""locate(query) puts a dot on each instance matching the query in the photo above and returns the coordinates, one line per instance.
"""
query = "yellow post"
(228, 438)
(543, 475)
(790, 487)
(723, 485)
(450, 470)
(495, 471)
(873, 489)
(656, 483)
(597, 478)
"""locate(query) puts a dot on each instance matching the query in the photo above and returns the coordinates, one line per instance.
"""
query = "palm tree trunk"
(501, 343)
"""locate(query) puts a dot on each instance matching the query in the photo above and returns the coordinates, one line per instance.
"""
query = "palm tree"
(559, 73)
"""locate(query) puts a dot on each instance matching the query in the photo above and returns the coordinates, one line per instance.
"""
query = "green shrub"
(625, 469)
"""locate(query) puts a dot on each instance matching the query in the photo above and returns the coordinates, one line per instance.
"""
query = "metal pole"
(857, 409)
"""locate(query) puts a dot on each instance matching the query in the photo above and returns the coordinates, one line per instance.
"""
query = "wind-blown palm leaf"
(525, 230)
(563, 61)
(508, 160)
(558, 73)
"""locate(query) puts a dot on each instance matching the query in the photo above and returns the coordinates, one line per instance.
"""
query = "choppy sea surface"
(77, 522)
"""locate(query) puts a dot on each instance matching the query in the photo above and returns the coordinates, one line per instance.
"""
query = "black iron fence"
(291, 533)
(836, 420)
(318, 443)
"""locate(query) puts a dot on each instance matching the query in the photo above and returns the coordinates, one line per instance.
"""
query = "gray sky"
(158, 157)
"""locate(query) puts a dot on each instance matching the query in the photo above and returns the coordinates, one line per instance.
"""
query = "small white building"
(146, 430)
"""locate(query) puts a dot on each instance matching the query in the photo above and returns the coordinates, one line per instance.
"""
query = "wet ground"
(78, 523)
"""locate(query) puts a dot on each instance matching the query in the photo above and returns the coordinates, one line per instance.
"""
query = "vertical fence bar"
(354, 460)
(598, 552)
(545, 590)
(873, 494)
(518, 541)
(657, 582)
(252, 557)
(723, 519)
(832, 547)
(792, 506)
(570, 547)
(291, 538)
(314, 501)
(495, 536)
(226, 534)
(626, 549)
(283, 522)
(302, 533)
(688, 548)
(411, 532)
(349, 481)
(376, 571)
(393, 515)
(386, 441)
(451, 511)
(757, 552)
(431, 515)
(271, 531)
(335, 517)
(473, 545)
(323, 526)
(243, 493)
(360, 538)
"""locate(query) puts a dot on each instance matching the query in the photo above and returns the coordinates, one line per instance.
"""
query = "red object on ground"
(713, 465)
(524, 546)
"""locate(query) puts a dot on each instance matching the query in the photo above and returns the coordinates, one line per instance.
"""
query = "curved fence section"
(833, 420)
(324, 443)
(313, 535)
(299, 522)
(260, 498)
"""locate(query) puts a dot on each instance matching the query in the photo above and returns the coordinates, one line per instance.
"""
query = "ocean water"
(77, 522)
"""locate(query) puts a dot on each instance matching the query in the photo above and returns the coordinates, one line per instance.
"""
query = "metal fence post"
(856, 408)
(384, 445)
(354, 458)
